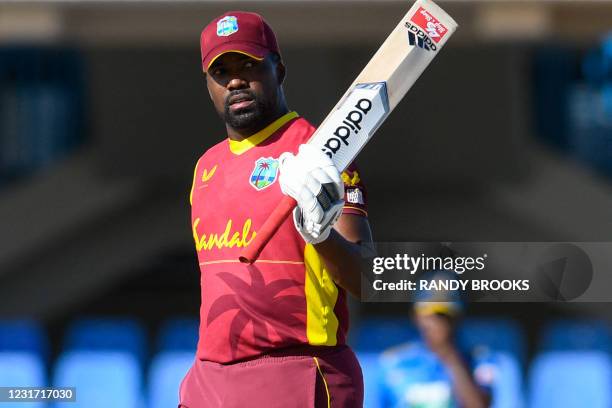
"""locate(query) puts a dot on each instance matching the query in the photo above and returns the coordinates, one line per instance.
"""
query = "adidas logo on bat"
(352, 121)
(418, 37)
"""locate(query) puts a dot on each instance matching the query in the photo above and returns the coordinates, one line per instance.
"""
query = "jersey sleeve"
(355, 194)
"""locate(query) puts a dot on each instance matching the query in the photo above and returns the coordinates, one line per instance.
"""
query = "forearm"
(468, 393)
(343, 260)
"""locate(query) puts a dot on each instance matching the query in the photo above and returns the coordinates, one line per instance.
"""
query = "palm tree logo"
(259, 303)
(264, 174)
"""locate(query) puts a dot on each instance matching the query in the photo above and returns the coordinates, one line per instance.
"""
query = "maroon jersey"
(287, 297)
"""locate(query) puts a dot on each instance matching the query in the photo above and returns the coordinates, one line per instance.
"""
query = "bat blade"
(376, 91)
(383, 82)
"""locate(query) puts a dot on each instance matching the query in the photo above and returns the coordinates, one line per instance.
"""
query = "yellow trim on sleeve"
(321, 296)
(350, 207)
(324, 382)
(237, 52)
(241, 146)
(193, 183)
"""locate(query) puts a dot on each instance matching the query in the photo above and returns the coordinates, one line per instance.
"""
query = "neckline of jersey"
(240, 146)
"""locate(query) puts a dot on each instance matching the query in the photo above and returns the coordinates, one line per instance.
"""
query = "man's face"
(245, 91)
(436, 329)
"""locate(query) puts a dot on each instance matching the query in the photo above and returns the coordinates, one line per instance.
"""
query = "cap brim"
(249, 49)
(430, 308)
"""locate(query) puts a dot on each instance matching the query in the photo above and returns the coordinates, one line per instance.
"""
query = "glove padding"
(314, 182)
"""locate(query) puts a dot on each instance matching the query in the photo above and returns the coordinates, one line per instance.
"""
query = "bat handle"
(267, 231)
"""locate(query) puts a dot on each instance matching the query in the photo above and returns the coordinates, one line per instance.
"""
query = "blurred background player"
(272, 333)
(434, 372)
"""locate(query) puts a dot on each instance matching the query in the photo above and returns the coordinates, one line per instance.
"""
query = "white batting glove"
(313, 181)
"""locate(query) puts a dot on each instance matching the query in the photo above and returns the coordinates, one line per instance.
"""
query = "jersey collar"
(241, 146)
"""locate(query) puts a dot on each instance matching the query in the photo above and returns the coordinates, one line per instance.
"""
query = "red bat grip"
(267, 231)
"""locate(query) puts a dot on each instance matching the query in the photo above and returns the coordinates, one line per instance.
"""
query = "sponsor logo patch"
(434, 28)
(228, 25)
(264, 174)
(425, 31)
(231, 237)
(354, 196)
(418, 38)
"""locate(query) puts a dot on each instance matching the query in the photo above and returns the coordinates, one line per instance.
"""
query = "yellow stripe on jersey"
(321, 297)
(193, 183)
(316, 360)
(241, 146)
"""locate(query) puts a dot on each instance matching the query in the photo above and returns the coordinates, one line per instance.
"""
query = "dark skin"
(248, 95)
(438, 332)
(235, 76)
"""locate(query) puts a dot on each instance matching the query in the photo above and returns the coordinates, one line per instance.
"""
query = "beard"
(250, 117)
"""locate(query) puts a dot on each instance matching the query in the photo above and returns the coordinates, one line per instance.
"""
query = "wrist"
(321, 239)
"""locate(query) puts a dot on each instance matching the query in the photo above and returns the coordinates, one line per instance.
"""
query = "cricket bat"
(376, 91)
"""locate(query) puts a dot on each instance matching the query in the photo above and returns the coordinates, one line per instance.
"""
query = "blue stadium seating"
(508, 389)
(577, 335)
(103, 379)
(165, 375)
(21, 369)
(370, 367)
(499, 335)
(571, 380)
(24, 348)
(178, 334)
(106, 334)
(376, 335)
(23, 335)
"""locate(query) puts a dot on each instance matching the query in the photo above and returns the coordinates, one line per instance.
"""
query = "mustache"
(239, 95)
